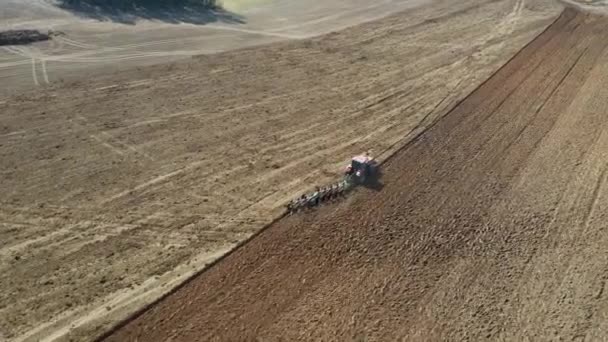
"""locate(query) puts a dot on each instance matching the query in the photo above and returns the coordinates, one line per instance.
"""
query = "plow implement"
(360, 171)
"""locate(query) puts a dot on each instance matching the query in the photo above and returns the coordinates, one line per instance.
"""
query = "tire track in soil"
(440, 251)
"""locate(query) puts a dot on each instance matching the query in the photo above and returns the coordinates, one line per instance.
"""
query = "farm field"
(491, 226)
(92, 43)
(116, 188)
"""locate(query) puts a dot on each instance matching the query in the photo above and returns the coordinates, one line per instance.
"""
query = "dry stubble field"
(117, 188)
(95, 42)
(491, 226)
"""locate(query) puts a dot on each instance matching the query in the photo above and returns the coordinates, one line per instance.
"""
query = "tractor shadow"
(173, 12)
(375, 183)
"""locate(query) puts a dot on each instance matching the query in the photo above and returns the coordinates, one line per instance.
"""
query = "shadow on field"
(198, 12)
(375, 183)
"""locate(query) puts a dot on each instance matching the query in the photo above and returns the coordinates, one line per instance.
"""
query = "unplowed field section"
(491, 224)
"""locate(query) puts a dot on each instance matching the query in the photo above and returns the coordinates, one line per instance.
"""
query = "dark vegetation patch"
(22, 37)
(198, 12)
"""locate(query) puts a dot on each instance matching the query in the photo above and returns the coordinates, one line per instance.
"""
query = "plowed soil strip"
(489, 225)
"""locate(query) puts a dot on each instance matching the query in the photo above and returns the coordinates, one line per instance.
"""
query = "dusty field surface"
(97, 43)
(491, 226)
(116, 188)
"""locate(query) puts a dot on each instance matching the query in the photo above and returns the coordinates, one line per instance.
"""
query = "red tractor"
(362, 170)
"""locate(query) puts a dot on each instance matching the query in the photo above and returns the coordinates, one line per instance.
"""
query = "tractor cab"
(361, 167)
